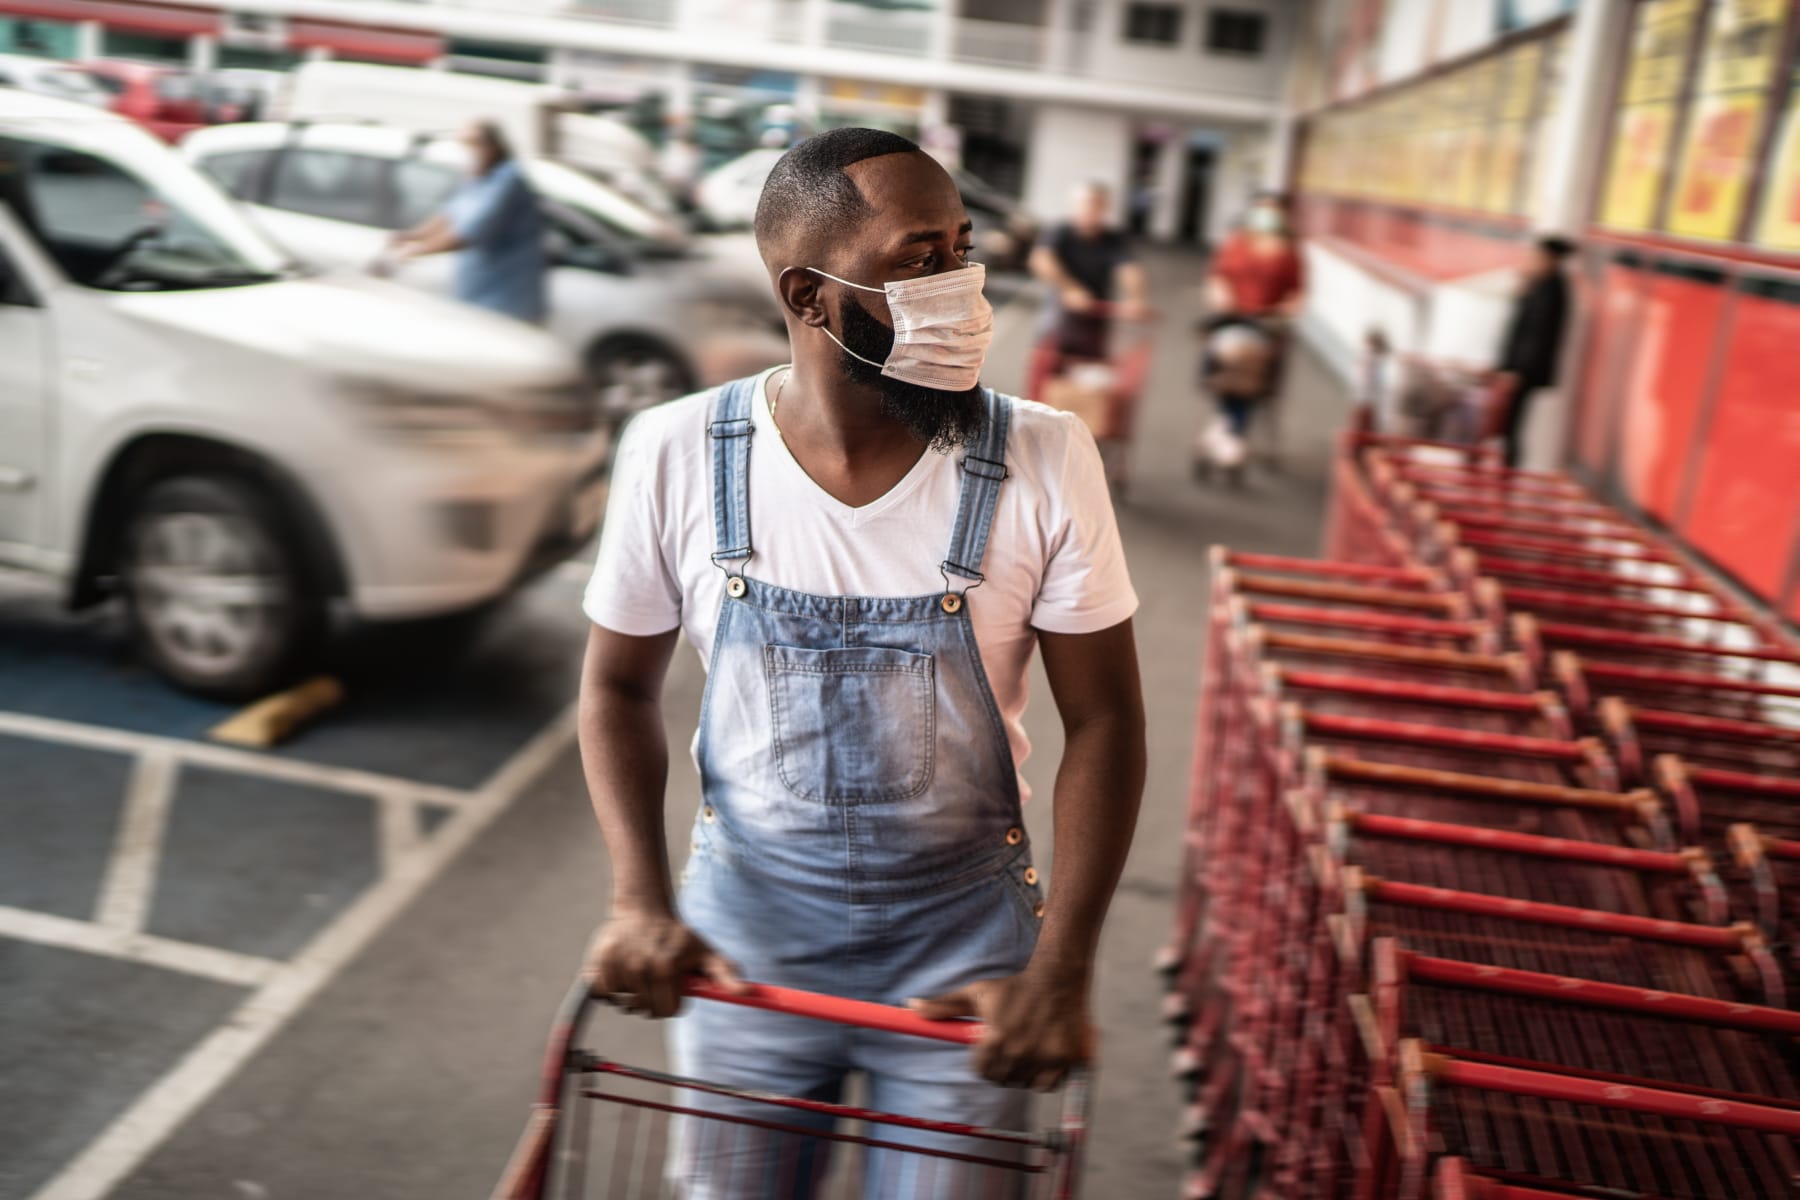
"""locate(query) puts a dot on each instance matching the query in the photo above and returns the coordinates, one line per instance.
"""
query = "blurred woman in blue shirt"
(494, 224)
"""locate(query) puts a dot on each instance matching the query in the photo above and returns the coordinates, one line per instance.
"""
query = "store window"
(146, 47)
(1230, 31)
(240, 172)
(1644, 133)
(1153, 24)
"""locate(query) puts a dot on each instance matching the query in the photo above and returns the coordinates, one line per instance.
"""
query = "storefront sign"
(1639, 163)
(1779, 228)
(1715, 166)
(1659, 49)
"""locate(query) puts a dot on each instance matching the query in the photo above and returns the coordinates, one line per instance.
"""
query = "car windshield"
(623, 215)
(108, 228)
(72, 84)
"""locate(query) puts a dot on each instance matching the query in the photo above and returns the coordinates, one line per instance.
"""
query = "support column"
(203, 53)
(1574, 159)
(90, 38)
(1575, 154)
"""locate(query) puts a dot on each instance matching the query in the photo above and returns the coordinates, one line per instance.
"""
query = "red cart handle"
(863, 1014)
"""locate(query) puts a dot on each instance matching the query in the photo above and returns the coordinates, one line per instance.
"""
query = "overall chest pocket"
(852, 723)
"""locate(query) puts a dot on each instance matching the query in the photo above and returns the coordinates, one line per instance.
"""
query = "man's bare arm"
(1099, 786)
(625, 756)
(1038, 1021)
(643, 951)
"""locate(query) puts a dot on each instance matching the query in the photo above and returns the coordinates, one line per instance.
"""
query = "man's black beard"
(943, 420)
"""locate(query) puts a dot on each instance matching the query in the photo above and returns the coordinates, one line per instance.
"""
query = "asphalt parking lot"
(327, 970)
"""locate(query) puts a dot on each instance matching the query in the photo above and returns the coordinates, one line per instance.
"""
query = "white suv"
(232, 445)
(652, 313)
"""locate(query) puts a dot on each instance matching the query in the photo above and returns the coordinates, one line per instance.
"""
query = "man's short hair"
(808, 189)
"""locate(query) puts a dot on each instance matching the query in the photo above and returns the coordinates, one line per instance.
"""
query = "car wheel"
(632, 374)
(220, 600)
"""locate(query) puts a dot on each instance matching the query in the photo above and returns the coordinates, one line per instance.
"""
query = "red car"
(165, 100)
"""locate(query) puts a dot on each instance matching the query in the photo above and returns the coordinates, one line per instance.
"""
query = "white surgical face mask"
(1265, 220)
(942, 327)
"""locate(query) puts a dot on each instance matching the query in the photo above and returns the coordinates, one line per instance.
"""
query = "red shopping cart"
(1102, 384)
(550, 1159)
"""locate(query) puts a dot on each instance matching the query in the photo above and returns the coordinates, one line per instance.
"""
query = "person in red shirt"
(1258, 272)
(1256, 279)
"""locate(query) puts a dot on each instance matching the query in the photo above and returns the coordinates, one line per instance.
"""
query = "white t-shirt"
(1053, 559)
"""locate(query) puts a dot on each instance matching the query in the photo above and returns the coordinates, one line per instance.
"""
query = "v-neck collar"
(784, 462)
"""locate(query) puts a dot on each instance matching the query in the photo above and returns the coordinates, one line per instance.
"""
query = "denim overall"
(860, 835)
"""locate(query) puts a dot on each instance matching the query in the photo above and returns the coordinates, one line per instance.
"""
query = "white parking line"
(208, 962)
(160, 1110)
(202, 754)
(131, 873)
(398, 826)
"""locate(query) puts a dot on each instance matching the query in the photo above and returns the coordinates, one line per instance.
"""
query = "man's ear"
(799, 292)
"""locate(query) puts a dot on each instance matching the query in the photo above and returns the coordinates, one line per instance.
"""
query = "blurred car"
(649, 321)
(48, 77)
(236, 447)
(1004, 230)
(541, 121)
(163, 99)
(728, 193)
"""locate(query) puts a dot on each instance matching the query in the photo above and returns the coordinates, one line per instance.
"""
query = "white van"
(538, 120)
(234, 447)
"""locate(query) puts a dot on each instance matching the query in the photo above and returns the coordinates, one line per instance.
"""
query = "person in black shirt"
(1087, 263)
(1534, 336)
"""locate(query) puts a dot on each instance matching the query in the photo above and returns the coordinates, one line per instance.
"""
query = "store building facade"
(1178, 106)
(1439, 136)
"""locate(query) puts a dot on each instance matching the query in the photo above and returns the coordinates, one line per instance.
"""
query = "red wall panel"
(1672, 345)
(1747, 505)
(1617, 299)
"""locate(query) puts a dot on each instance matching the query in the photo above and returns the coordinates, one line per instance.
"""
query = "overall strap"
(730, 432)
(983, 468)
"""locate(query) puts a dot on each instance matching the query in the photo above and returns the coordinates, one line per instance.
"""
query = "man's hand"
(1038, 1025)
(640, 961)
(1077, 300)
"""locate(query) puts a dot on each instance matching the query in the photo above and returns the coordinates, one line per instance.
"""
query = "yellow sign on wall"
(1779, 228)
(1743, 41)
(1659, 47)
(1715, 165)
(1640, 160)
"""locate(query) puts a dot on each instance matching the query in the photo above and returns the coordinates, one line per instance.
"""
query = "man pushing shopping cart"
(864, 547)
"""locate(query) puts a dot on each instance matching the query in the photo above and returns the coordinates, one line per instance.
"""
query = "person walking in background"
(1533, 342)
(1258, 271)
(494, 225)
(1087, 264)
(1255, 287)
(680, 162)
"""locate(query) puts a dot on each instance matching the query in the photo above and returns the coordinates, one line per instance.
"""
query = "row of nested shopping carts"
(1492, 884)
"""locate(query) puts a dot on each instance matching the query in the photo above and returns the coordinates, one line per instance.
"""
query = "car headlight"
(443, 416)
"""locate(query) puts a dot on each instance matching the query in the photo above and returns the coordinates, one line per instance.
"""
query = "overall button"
(707, 814)
(952, 603)
(1031, 876)
(1014, 836)
(735, 587)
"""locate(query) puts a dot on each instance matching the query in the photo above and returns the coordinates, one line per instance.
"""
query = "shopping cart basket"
(550, 1158)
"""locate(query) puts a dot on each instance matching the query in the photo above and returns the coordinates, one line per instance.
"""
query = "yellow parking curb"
(273, 719)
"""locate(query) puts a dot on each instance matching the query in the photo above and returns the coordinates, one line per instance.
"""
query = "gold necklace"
(775, 402)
